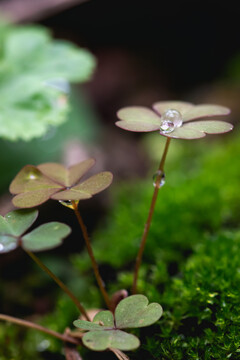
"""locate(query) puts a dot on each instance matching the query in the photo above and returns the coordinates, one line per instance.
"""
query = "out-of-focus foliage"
(200, 197)
(191, 262)
(34, 185)
(81, 126)
(34, 76)
(234, 68)
(199, 296)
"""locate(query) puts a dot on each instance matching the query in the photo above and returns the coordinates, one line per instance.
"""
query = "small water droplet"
(32, 175)
(7, 244)
(159, 175)
(43, 345)
(166, 126)
(171, 119)
(68, 203)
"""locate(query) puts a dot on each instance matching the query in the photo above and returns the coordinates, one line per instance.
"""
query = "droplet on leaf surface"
(7, 243)
(166, 126)
(32, 174)
(158, 174)
(171, 119)
(174, 116)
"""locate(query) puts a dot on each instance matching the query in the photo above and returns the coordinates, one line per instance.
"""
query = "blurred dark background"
(146, 52)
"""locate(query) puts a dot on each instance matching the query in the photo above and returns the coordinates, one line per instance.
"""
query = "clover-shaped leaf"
(105, 331)
(14, 225)
(35, 72)
(35, 185)
(170, 117)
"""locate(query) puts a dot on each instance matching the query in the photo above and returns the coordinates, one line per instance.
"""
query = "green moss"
(202, 310)
(191, 264)
(196, 201)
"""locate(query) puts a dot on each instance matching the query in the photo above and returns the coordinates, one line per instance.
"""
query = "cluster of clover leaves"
(34, 185)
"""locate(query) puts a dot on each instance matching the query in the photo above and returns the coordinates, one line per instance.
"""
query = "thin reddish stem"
(91, 255)
(34, 326)
(60, 283)
(149, 218)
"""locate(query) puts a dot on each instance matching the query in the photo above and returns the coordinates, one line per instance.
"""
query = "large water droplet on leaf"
(171, 119)
(166, 126)
(158, 179)
(174, 116)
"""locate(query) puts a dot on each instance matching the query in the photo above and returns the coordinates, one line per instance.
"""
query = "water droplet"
(32, 174)
(68, 203)
(43, 345)
(159, 175)
(171, 119)
(7, 243)
(166, 126)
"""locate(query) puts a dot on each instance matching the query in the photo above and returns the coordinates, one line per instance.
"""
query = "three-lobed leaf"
(17, 222)
(138, 118)
(35, 185)
(105, 329)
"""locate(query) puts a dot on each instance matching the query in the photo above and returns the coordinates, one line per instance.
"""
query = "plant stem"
(32, 325)
(91, 255)
(119, 354)
(59, 282)
(149, 218)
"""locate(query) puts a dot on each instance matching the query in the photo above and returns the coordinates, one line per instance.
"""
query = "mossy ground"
(191, 264)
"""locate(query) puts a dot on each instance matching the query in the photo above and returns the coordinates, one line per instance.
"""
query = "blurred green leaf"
(34, 76)
(14, 225)
(17, 222)
(45, 237)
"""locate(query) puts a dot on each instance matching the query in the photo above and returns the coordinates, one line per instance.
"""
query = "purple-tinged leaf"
(77, 171)
(137, 126)
(56, 172)
(71, 195)
(31, 179)
(185, 133)
(33, 198)
(139, 114)
(138, 118)
(35, 185)
(205, 110)
(210, 126)
(66, 176)
(181, 106)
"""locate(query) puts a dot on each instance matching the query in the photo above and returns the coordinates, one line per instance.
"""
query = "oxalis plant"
(34, 185)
